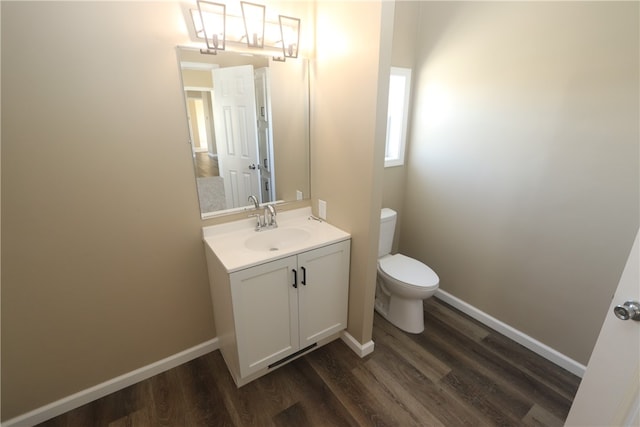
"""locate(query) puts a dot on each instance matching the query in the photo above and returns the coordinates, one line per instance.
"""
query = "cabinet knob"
(295, 278)
(304, 276)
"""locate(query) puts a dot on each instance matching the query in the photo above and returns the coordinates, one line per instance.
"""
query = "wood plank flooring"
(205, 166)
(457, 373)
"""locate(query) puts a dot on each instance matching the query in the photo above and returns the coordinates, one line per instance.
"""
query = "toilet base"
(405, 314)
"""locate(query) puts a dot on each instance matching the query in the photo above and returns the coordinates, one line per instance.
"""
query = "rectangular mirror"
(248, 127)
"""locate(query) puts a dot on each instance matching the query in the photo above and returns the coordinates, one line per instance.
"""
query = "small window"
(397, 115)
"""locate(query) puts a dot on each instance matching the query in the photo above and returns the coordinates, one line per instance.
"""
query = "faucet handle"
(260, 220)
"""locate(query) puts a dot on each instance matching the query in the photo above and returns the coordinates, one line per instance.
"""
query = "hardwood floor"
(457, 373)
(205, 165)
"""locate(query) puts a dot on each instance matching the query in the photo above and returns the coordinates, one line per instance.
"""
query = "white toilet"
(402, 282)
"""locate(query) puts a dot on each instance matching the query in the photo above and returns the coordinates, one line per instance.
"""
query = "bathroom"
(103, 266)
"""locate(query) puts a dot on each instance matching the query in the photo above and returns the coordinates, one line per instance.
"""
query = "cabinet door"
(265, 309)
(323, 298)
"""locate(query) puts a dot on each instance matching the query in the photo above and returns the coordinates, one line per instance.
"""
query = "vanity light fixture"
(253, 16)
(223, 31)
(213, 28)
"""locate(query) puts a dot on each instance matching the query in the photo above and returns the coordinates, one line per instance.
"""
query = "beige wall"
(523, 197)
(347, 139)
(103, 265)
(197, 78)
(522, 184)
(289, 105)
(405, 28)
(104, 269)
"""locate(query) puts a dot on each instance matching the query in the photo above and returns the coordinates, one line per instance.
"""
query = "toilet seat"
(409, 271)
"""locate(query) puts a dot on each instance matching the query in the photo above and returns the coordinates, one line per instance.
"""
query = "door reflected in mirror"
(248, 127)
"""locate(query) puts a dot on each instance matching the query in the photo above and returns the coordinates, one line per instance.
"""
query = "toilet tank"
(387, 228)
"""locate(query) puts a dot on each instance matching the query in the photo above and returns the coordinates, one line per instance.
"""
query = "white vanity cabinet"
(270, 313)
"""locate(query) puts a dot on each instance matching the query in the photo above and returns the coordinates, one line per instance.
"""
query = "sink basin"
(237, 246)
(276, 239)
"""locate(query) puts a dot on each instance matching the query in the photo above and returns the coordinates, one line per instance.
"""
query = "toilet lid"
(409, 270)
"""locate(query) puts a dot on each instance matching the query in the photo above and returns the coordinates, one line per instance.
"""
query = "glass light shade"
(212, 18)
(253, 16)
(290, 33)
(197, 23)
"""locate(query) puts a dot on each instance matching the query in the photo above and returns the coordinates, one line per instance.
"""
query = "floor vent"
(291, 356)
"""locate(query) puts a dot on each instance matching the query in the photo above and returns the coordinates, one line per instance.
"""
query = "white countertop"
(227, 241)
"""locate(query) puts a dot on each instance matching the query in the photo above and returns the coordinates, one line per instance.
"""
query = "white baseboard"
(360, 349)
(521, 338)
(118, 383)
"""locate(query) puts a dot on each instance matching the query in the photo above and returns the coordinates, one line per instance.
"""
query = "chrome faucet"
(253, 199)
(270, 217)
(260, 219)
